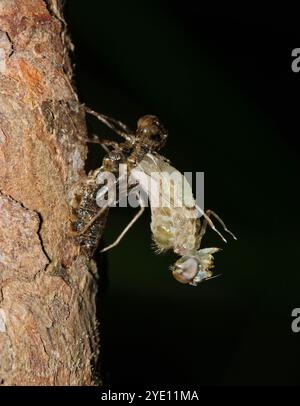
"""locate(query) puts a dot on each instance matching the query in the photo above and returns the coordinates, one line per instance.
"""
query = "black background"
(221, 82)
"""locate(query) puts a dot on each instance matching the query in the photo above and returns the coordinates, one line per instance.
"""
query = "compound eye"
(185, 270)
(155, 137)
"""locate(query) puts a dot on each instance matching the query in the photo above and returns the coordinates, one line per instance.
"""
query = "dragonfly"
(175, 219)
(172, 225)
(87, 220)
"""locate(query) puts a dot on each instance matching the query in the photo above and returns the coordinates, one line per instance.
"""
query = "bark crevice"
(48, 326)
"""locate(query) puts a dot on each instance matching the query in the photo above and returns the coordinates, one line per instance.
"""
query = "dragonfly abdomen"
(172, 229)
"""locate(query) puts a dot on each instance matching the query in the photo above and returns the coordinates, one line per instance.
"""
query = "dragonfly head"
(195, 268)
(151, 132)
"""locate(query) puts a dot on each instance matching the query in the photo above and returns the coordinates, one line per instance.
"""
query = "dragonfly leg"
(207, 221)
(74, 233)
(126, 229)
(107, 145)
(96, 216)
(117, 126)
(212, 213)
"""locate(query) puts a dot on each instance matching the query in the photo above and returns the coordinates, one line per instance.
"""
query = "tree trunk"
(48, 328)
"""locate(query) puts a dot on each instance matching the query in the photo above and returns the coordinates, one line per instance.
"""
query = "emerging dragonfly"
(173, 226)
(88, 221)
(175, 222)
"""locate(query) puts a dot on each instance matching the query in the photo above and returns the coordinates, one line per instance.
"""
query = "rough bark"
(48, 328)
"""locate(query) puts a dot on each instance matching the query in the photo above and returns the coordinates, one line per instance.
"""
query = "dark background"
(221, 82)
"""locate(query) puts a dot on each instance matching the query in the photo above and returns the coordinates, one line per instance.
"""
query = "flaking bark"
(48, 328)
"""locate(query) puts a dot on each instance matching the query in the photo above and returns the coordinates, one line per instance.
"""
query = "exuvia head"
(151, 132)
(195, 268)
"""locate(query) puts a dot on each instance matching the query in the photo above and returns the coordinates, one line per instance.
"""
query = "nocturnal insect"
(88, 220)
(174, 225)
(175, 222)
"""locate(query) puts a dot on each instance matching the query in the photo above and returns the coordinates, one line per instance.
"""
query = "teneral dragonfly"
(175, 218)
(172, 227)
